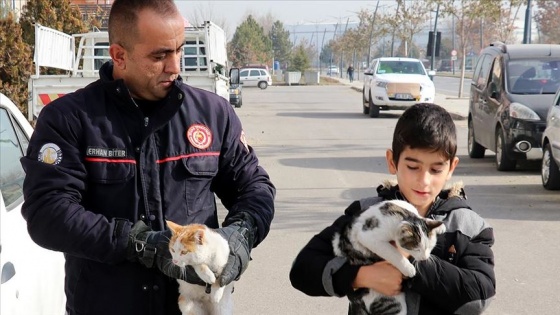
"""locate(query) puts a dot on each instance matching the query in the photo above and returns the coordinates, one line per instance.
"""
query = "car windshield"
(398, 66)
(533, 76)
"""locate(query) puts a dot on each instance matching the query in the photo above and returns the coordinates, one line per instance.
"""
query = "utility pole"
(527, 29)
(453, 41)
(393, 39)
(342, 52)
(371, 33)
(432, 60)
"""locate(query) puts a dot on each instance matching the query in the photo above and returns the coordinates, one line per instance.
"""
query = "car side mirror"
(234, 76)
(494, 91)
(8, 272)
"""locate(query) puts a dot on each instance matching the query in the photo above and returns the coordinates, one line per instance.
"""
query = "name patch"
(106, 152)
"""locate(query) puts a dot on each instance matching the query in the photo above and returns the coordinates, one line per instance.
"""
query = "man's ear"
(390, 163)
(118, 54)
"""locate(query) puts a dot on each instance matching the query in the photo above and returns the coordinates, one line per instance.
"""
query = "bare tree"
(468, 14)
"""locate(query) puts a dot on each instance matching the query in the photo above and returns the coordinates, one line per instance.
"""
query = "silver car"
(550, 173)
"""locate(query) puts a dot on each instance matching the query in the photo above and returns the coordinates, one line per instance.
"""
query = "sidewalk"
(457, 107)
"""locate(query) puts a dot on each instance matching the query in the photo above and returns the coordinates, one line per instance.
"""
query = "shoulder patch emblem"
(50, 153)
(199, 136)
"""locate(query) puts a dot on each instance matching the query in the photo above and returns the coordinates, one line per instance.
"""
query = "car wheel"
(239, 103)
(503, 162)
(550, 174)
(263, 85)
(476, 151)
(364, 101)
(373, 109)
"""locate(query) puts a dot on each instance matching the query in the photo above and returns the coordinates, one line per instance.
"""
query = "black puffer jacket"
(96, 164)
(458, 280)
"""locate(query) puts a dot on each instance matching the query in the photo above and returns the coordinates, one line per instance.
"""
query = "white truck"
(203, 64)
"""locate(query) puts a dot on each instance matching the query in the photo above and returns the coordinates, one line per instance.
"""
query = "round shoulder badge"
(199, 136)
(50, 153)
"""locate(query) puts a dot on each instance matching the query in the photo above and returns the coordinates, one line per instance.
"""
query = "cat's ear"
(172, 226)
(437, 226)
(199, 237)
(406, 229)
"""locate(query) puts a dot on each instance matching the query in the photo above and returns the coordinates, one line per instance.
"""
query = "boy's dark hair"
(123, 18)
(425, 126)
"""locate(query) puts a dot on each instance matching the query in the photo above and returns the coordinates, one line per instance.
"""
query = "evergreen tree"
(281, 44)
(15, 62)
(300, 59)
(57, 14)
(250, 44)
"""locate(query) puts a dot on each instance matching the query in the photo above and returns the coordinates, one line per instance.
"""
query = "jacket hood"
(452, 197)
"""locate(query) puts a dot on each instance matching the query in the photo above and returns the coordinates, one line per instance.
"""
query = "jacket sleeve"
(53, 189)
(316, 271)
(459, 277)
(241, 183)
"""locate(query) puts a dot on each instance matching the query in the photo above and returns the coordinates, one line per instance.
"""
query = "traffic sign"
(453, 52)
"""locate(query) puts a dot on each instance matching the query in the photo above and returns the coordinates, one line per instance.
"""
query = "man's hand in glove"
(240, 236)
(151, 248)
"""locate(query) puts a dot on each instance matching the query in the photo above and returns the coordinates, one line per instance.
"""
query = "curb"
(455, 116)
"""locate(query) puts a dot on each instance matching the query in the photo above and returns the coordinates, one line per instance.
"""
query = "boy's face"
(421, 175)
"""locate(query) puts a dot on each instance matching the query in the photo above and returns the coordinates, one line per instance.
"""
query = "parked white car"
(32, 279)
(550, 172)
(255, 77)
(333, 70)
(396, 83)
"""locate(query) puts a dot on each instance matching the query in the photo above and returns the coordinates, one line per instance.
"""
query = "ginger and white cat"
(369, 237)
(207, 252)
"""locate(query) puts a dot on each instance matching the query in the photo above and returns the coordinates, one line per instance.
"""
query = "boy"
(459, 277)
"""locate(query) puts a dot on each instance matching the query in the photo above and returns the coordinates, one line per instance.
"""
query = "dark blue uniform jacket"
(94, 160)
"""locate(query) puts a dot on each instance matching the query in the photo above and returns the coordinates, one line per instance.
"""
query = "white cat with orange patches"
(207, 252)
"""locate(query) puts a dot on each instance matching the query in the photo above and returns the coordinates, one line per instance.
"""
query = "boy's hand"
(381, 276)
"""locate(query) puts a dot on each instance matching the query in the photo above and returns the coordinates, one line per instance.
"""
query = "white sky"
(287, 11)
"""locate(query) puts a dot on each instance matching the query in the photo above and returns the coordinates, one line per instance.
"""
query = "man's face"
(421, 175)
(152, 62)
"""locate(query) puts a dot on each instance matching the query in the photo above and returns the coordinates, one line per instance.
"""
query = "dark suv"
(511, 91)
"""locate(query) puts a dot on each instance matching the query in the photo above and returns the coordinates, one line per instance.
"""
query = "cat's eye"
(184, 252)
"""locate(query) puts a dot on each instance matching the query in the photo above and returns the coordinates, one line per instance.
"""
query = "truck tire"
(365, 109)
(373, 109)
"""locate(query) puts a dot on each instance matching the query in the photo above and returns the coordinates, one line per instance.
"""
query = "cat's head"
(185, 241)
(419, 236)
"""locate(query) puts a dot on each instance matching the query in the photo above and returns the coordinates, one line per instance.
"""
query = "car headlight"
(519, 111)
(427, 85)
(381, 84)
(234, 91)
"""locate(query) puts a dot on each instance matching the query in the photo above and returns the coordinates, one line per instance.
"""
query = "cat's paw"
(409, 270)
(205, 274)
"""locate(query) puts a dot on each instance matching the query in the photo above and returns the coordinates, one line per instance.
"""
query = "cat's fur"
(370, 237)
(207, 252)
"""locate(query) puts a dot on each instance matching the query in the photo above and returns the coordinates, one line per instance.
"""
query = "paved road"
(322, 153)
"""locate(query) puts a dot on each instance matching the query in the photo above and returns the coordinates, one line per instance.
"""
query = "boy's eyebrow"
(411, 159)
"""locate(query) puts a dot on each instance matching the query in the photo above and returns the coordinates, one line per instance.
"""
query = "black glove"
(151, 248)
(240, 235)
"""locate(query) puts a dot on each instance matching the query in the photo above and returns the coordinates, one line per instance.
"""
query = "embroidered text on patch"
(199, 136)
(106, 152)
(50, 153)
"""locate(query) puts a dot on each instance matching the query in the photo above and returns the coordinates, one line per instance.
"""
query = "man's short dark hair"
(428, 127)
(123, 19)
